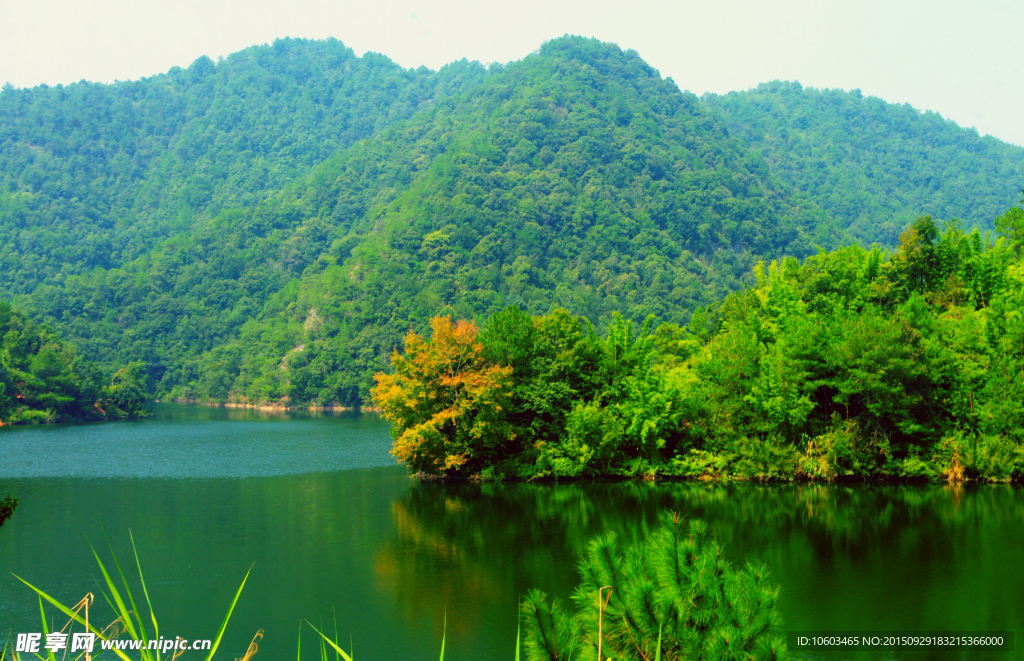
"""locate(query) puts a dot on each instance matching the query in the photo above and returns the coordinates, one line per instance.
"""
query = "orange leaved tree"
(444, 400)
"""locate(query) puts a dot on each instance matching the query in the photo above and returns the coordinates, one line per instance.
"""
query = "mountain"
(96, 175)
(271, 225)
(874, 166)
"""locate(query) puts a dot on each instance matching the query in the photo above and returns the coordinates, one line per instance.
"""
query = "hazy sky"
(961, 59)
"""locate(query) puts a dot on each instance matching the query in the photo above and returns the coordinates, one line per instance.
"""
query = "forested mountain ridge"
(281, 248)
(95, 175)
(874, 166)
(590, 183)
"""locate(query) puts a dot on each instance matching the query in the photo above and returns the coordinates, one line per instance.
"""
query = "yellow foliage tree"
(444, 399)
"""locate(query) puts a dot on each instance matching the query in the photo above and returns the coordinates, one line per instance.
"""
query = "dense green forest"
(874, 166)
(853, 363)
(268, 227)
(42, 379)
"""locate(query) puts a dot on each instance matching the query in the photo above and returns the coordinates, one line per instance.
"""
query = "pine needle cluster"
(670, 596)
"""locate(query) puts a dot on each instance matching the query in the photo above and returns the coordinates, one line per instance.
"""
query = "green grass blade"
(444, 633)
(227, 616)
(518, 627)
(131, 600)
(330, 642)
(43, 614)
(145, 592)
(334, 612)
(121, 609)
(46, 630)
(70, 613)
(657, 654)
(298, 648)
(323, 647)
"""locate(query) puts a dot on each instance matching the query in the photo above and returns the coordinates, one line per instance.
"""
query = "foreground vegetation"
(854, 363)
(42, 379)
(130, 622)
(671, 596)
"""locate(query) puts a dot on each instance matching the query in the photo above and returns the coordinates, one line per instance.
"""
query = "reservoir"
(335, 531)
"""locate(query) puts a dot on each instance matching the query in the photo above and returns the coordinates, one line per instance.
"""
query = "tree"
(7, 507)
(445, 400)
(672, 595)
(1011, 225)
(126, 395)
(916, 258)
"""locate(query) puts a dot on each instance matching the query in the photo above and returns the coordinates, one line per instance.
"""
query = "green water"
(332, 527)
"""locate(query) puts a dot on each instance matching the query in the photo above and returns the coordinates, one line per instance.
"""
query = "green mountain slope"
(874, 166)
(96, 175)
(576, 178)
(270, 226)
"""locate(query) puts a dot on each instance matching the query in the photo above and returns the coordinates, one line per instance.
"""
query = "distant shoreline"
(273, 407)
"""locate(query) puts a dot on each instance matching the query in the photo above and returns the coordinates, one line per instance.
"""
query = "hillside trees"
(211, 221)
(42, 379)
(593, 226)
(873, 166)
(852, 363)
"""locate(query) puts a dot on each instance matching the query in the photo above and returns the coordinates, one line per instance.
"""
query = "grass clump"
(129, 620)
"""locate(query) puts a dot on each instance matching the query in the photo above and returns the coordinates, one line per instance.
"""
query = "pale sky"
(961, 59)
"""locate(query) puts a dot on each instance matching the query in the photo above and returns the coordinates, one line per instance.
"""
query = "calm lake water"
(332, 528)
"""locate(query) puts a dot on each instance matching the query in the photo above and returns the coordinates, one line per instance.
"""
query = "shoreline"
(271, 407)
(844, 479)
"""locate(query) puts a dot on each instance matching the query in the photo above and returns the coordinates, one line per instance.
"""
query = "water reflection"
(849, 557)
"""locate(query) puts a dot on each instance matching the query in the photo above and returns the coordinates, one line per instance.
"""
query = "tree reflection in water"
(848, 556)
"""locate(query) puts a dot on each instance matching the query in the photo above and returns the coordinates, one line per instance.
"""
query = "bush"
(912, 466)
(766, 459)
(7, 507)
(843, 451)
(673, 594)
(953, 458)
(699, 463)
(1000, 459)
(26, 416)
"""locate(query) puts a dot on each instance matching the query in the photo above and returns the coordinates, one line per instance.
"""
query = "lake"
(333, 529)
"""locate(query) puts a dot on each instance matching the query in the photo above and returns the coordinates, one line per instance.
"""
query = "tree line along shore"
(855, 363)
